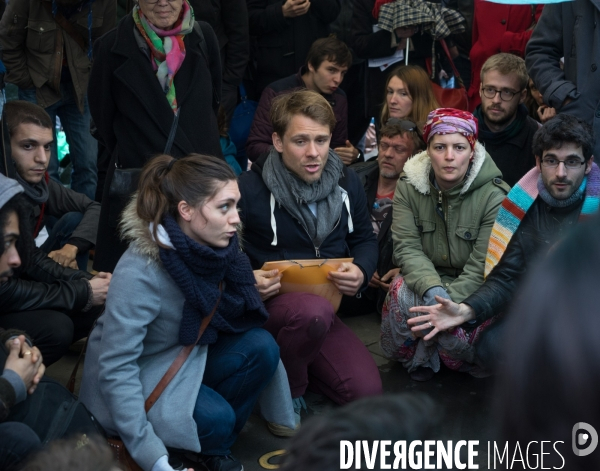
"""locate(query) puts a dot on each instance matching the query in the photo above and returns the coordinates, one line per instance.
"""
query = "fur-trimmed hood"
(418, 168)
(136, 231)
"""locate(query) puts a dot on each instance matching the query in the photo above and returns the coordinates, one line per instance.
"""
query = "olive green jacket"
(441, 237)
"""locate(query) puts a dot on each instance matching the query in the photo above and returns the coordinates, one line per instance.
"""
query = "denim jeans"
(59, 233)
(83, 148)
(238, 368)
(17, 442)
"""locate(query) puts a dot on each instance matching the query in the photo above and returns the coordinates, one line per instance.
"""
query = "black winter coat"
(45, 285)
(133, 116)
(283, 43)
(293, 241)
(541, 227)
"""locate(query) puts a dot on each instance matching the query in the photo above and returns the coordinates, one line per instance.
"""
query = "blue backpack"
(239, 128)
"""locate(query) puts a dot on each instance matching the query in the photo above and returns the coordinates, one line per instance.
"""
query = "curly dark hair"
(561, 129)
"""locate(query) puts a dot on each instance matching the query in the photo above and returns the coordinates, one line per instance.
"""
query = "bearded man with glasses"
(505, 129)
(562, 189)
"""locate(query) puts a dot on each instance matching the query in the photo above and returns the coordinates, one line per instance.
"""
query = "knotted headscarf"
(450, 121)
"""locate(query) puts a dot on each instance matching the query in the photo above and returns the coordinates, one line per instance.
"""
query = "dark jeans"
(59, 233)
(238, 368)
(52, 332)
(17, 442)
(83, 148)
(319, 351)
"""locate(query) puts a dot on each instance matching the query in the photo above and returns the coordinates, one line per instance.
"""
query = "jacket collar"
(417, 170)
(137, 233)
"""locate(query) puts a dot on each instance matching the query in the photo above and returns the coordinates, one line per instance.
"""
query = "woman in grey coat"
(182, 229)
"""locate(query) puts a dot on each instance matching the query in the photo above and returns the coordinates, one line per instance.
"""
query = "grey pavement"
(466, 402)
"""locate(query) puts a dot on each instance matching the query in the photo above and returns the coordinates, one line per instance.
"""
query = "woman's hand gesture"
(440, 317)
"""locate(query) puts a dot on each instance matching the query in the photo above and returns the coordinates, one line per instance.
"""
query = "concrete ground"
(465, 402)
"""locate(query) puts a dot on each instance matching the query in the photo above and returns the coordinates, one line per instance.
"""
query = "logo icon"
(584, 435)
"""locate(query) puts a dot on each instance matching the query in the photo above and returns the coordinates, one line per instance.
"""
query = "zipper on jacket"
(440, 210)
(317, 251)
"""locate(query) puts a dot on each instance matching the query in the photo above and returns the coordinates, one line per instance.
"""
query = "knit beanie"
(8, 189)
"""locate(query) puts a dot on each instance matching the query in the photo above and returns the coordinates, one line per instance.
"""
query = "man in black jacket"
(299, 203)
(67, 220)
(568, 186)
(21, 362)
(505, 128)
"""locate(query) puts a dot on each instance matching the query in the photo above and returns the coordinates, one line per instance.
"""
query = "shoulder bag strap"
(66, 25)
(454, 69)
(172, 133)
(180, 360)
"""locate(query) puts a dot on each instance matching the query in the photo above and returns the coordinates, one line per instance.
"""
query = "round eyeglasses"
(505, 95)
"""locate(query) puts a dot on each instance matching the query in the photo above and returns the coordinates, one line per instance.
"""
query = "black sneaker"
(220, 462)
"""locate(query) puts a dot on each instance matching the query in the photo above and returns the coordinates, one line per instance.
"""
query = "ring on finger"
(27, 353)
(430, 324)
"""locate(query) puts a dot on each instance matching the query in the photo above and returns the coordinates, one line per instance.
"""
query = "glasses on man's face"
(154, 2)
(405, 125)
(505, 95)
(572, 163)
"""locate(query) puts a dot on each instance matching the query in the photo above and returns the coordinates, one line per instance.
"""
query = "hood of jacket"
(136, 231)
(417, 171)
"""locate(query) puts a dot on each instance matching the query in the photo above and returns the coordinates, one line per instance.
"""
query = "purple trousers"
(319, 351)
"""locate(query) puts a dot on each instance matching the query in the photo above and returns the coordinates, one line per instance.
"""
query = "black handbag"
(53, 412)
(125, 180)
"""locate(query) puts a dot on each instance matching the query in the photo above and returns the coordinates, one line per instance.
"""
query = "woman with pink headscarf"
(445, 204)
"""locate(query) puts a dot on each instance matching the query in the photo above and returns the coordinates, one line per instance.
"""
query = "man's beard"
(389, 174)
(500, 120)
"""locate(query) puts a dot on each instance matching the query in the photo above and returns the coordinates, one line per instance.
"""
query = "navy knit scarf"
(197, 271)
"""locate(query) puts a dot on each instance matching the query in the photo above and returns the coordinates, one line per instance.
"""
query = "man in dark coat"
(298, 203)
(134, 118)
(326, 64)
(379, 177)
(229, 20)
(284, 32)
(505, 128)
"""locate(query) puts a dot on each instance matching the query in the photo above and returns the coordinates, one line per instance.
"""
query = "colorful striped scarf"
(517, 203)
(166, 47)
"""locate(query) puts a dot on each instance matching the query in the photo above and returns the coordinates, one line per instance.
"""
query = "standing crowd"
(209, 139)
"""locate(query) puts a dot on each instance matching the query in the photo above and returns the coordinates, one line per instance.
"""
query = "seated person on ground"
(561, 189)
(398, 141)
(444, 207)
(20, 363)
(55, 305)
(326, 64)
(505, 128)
(185, 269)
(299, 202)
(70, 219)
